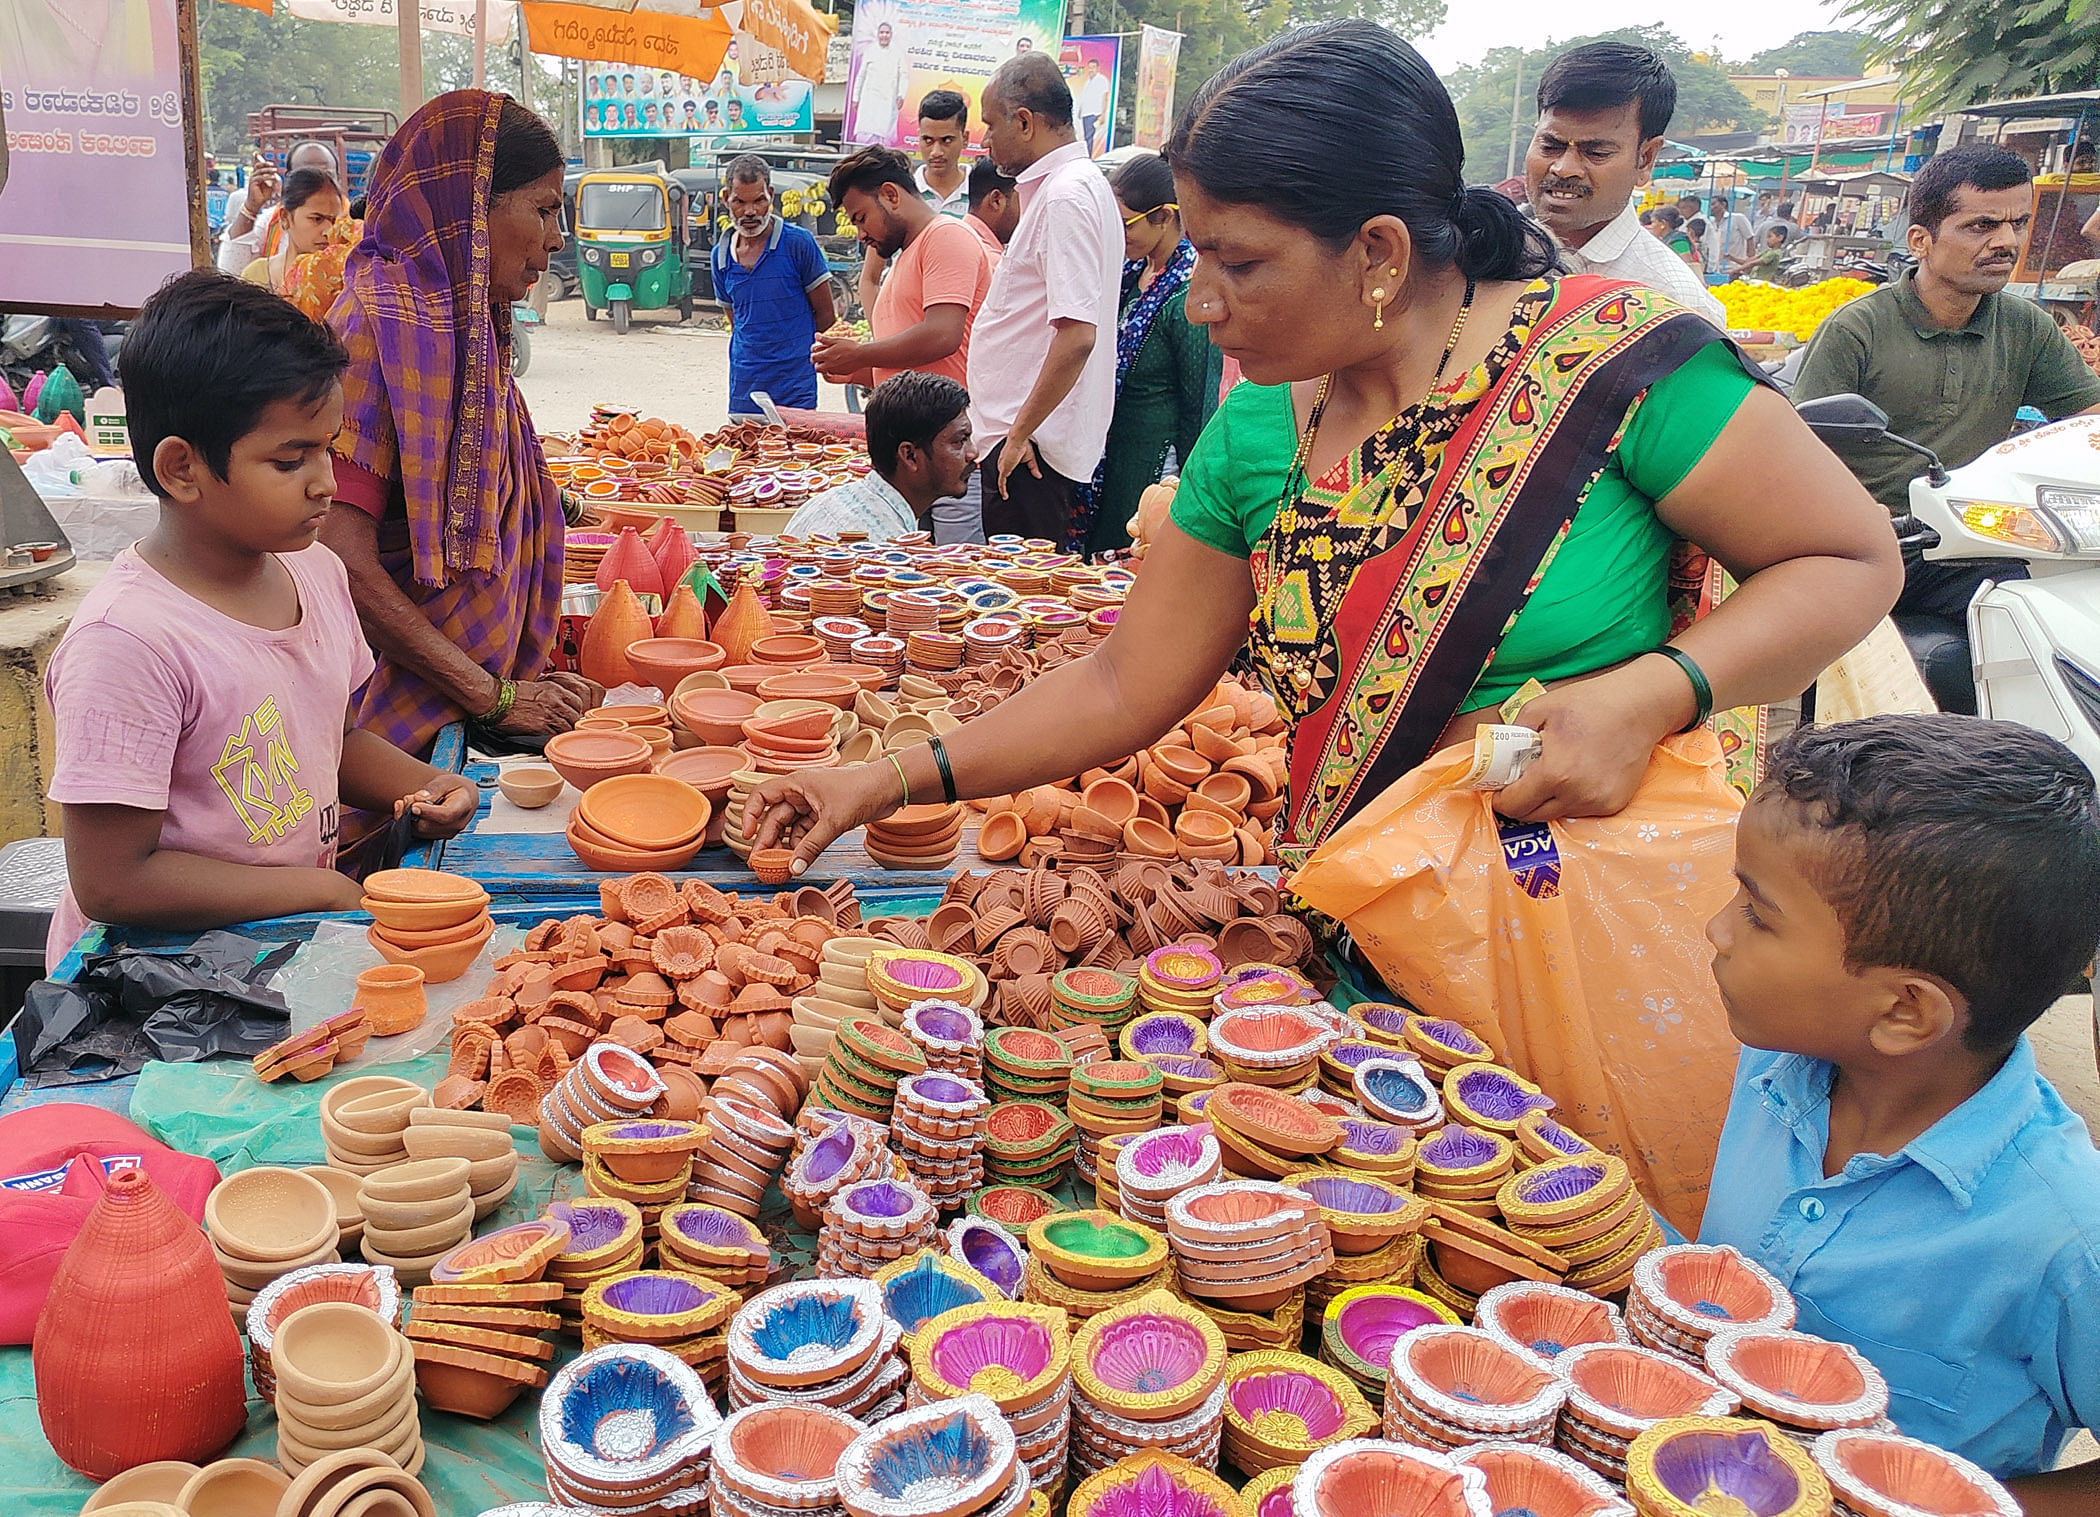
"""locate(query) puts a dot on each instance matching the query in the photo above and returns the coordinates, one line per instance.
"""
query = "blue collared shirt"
(772, 325)
(1966, 1266)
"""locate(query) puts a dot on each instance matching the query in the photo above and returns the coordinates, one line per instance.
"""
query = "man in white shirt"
(878, 89)
(1727, 240)
(248, 224)
(1093, 96)
(919, 443)
(1603, 110)
(1043, 353)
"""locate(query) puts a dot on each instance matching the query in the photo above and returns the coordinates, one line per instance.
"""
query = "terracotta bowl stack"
(1017, 1354)
(427, 919)
(872, 1223)
(1375, 1227)
(363, 1119)
(746, 1146)
(590, 756)
(265, 1223)
(1683, 1294)
(938, 1125)
(1147, 1375)
(366, 1286)
(1247, 1245)
(639, 822)
(716, 1242)
(345, 1379)
(315, 1052)
(1450, 1386)
(1155, 1167)
(1617, 1391)
(609, 1083)
(415, 1214)
(1183, 977)
(916, 837)
(1587, 1211)
(482, 1138)
(841, 990)
(775, 1458)
(474, 1358)
(605, 1242)
(1111, 1098)
(1883, 1474)
(782, 743)
(818, 1343)
(627, 1427)
(682, 1314)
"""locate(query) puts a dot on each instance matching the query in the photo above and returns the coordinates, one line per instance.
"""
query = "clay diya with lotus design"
(1545, 1320)
(1884, 1474)
(1683, 1294)
(922, 1285)
(1696, 1466)
(1281, 1408)
(1803, 1384)
(1154, 1484)
(1450, 1386)
(1617, 1391)
(626, 1425)
(1360, 1326)
(1361, 1475)
(947, 1459)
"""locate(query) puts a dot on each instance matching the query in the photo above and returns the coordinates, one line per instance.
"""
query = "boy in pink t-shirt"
(202, 692)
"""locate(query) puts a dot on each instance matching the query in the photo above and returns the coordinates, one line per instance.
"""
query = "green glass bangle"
(1702, 692)
(898, 765)
(506, 697)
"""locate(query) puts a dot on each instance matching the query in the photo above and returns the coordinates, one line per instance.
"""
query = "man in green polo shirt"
(1948, 354)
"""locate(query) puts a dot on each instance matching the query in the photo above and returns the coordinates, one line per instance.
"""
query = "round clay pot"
(234, 1488)
(584, 758)
(441, 1233)
(334, 1352)
(788, 648)
(269, 1215)
(362, 1085)
(666, 661)
(529, 786)
(440, 965)
(161, 1481)
(391, 996)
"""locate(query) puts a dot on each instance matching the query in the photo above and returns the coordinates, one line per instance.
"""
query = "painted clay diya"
(1240, 1213)
(1385, 1022)
(1183, 1074)
(1362, 1212)
(948, 1459)
(782, 1456)
(1542, 1140)
(1096, 1250)
(1256, 984)
(657, 1306)
(1022, 1130)
(1184, 970)
(1152, 1484)
(1698, 1289)
(1378, 1148)
(1151, 1360)
(922, 1285)
(1361, 1325)
(1461, 1378)
(1491, 1097)
(370, 1286)
(1364, 1475)
(1546, 1320)
(1099, 1437)
(703, 1235)
(1162, 1034)
(1881, 1474)
(1269, 1493)
(643, 1153)
(1397, 1091)
(807, 1332)
(989, 1250)
(879, 1210)
(1016, 1353)
(1620, 1390)
(1275, 1122)
(1338, 1061)
(900, 976)
(1282, 1407)
(1159, 1165)
(1697, 1466)
(1437, 1041)
(520, 1252)
(1522, 1477)
(1457, 1156)
(1551, 1199)
(1798, 1381)
(1269, 1037)
(602, 1229)
(623, 1421)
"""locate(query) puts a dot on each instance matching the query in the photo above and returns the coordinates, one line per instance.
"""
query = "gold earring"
(1378, 309)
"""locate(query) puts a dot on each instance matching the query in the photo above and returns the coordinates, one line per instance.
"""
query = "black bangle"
(1702, 692)
(940, 762)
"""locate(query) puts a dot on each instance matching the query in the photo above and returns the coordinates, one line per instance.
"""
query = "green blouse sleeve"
(1234, 474)
(1198, 369)
(1681, 416)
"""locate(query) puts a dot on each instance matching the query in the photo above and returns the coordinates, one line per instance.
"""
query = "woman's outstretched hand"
(806, 810)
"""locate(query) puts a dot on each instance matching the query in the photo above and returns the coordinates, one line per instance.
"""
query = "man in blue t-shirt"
(773, 280)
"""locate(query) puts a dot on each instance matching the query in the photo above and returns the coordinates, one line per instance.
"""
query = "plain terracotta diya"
(161, 1481)
(1370, 1475)
(585, 758)
(646, 811)
(529, 786)
(233, 1488)
(440, 964)
(270, 1215)
(1884, 1474)
(665, 661)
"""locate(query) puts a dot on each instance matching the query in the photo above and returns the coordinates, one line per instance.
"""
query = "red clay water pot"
(135, 1354)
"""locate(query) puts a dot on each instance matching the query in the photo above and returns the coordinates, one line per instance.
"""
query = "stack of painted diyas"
(1111, 1098)
(939, 1124)
(1450, 1386)
(605, 1242)
(1018, 1355)
(1684, 1294)
(625, 1428)
(871, 1223)
(1149, 1374)
(818, 1343)
(716, 1242)
(1086, 1262)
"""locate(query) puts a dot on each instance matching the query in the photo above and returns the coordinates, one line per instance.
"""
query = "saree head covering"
(429, 402)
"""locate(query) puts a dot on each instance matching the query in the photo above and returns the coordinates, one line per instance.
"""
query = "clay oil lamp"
(1571, 1202)
(1249, 1215)
(948, 1459)
(1443, 1045)
(1397, 1091)
(1154, 1167)
(1490, 1097)
(1154, 1484)
(1546, 1320)
(233, 1488)
(1522, 1477)
(782, 1457)
(1180, 977)
(657, 1306)
(903, 976)
(879, 1211)
(1162, 1033)
(1473, 1255)
(1152, 1360)
(1384, 1023)
(1541, 1140)
(1361, 1325)
(807, 1332)
(1027, 1142)
(1690, 1466)
(921, 1286)
(1370, 1475)
(1683, 1294)
(643, 1152)
(144, 1490)
(1273, 1122)
(1270, 1039)
(1089, 995)
(625, 1424)
(1362, 1213)
(1269, 1493)
(363, 1284)
(518, 1253)
(942, 1106)
(1882, 1474)
(1338, 1063)
(1095, 1250)
(1017, 1354)
(1281, 1408)
(1379, 1148)
(708, 1239)
(605, 1238)
(666, 661)
(1450, 1386)
(1458, 1163)
(1252, 985)
(1803, 1384)
(949, 1034)
(988, 1248)
(1618, 1391)
(267, 1215)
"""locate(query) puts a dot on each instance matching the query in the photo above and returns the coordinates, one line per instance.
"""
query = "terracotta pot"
(664, 661)
(440, 964)
(134, 1355)
(234, 1488)
(1002, 836)
(743, 622)
(715, 715)
(585, 758)
(529, 786)
(683, 615)
(673, 550)
(270, 1215)
(618, 622)
(629, 559)
(788, 649)
(391, 998)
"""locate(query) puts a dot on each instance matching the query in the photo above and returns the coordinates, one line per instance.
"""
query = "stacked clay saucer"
(871, 1223)
(846, 1152)
(1449, 1386)
(1545, 1320)
(963, 1447)
(1693, 1465)
(1153, 1168)
(427, 920)
(1247, 1245)
(265, 1223)
(474, 1359)
(1017, 1355)
(639, 822)
(1617, 1391)
(1464, 1167)
(684, 1315)
(743, 1148)
(362, 1121)
(861, 1072)
(1281, 1408)
(1443, 1045)
(609, 1083)
(1264, 1134)
(345, 1379)
(841, 990)
(627, 1427)
(716, 1242)
(1147, 1375)
(642, 1161)
(1586, 1211)
(1028, 1143)
(362, 1284)
(1022, 1064)
(948, 1034)
(1803, 1385)
(415, 1214)
(770, 1459)
(917, 837)
(1359, 1327)
(1180, 977)
(990, 1250)
(1683, 1294)
(1111, 1098)
(1468, 1255)
(315, 1052)
(1277, 1046)
(938, 1125)
(818, 1343)
(605, 1242)
(1884, 1474)
(482, 1138)
(1087, 996)
(1400, 1092)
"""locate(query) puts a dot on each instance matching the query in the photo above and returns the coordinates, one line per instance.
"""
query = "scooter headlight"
(2077, 512)
(2018, 525)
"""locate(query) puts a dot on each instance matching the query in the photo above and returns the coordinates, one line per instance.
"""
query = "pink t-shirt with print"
(233, 732)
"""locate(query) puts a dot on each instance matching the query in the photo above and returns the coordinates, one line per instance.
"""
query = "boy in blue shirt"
(1913, 892)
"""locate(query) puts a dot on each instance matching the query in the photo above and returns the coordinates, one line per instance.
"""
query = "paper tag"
(1500, 754)
(1527, 692)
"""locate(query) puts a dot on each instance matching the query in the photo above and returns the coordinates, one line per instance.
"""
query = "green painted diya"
(1096, 1250)
(1094, 995)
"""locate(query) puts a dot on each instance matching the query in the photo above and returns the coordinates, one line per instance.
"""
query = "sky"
(1472, 27)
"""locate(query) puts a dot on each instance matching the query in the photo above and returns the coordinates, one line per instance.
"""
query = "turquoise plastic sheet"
(221, 1111)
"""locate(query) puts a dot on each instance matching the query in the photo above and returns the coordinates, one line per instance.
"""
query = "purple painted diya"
(1163, 1032)
(1445, 1041)
(1697, 1466)
(1363, 1138)
(1151, 1360)
(1459, 1153)
(1362, 1212)
(657, 1306)
(1387, 1023)
(944, 1024)
(711, 1234)
(1362, 1324)
(941, 1094)
(1153, 1484)
(991, 1251)
(602, 1229)
(880, 1209)
(1014, 1352)
(1545, 1139)
(1487, 1095)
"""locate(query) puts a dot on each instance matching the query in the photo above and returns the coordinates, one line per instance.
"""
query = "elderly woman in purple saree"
(445, 514)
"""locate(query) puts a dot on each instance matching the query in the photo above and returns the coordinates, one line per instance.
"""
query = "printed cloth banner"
(691, 40)
(1091, 67)
(454, 17)
(793, 28)
(1159, 51)
(626, 100)
(904, 48)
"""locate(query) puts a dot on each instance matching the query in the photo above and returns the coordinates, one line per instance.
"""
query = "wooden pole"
(1516, 107)
(524, 64)
(481, 44)
(408, 25)
(193, 131)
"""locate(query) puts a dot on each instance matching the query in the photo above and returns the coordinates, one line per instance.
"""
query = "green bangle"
(506, 697)
(896, 764)
(1702, 692)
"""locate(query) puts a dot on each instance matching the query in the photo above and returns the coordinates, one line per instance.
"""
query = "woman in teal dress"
(1167, 370)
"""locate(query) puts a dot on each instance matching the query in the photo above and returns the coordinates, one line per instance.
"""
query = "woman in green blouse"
(1167, 371)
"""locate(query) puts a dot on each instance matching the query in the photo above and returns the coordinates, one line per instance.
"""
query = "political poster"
(1092, 66)
(625, 101)
(1159, 51)
(902, 49)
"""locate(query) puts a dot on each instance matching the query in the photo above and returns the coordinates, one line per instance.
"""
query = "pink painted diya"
(1152, 1484)
(1149, 1360)
(1281, 1407)
(1697, 1466)
(1882, 1474)
(1802, 1383)
(781, 1458)
(1545, 1320)
(1522, 1477)
(1450, 1386)
(1152, 1168)
(990, 1251)
(1361, 1325)
(1016, 1353)
(1369, 1475)
(949, 1459)
(1269, 1493)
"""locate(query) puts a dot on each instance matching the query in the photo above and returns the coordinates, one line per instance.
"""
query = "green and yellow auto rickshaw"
(631, 243)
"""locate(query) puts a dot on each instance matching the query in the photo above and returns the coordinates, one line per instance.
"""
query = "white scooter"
(2034, 498)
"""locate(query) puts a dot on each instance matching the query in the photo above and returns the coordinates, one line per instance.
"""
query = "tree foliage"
(1817, 55)
(1706, 100)
(1960, 52)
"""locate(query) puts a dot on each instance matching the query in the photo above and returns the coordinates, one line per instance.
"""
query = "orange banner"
(796, 29)
(686, 45)
(255, 5)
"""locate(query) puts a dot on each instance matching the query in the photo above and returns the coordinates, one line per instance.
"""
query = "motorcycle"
(523, 318)
(2030, 648)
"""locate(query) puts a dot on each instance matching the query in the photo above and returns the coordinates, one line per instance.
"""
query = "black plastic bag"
(133, 1006)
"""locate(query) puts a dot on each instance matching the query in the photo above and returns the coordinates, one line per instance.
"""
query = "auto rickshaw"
(631, 243)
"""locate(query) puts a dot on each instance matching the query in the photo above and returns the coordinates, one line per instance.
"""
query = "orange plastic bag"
(1577, 949)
